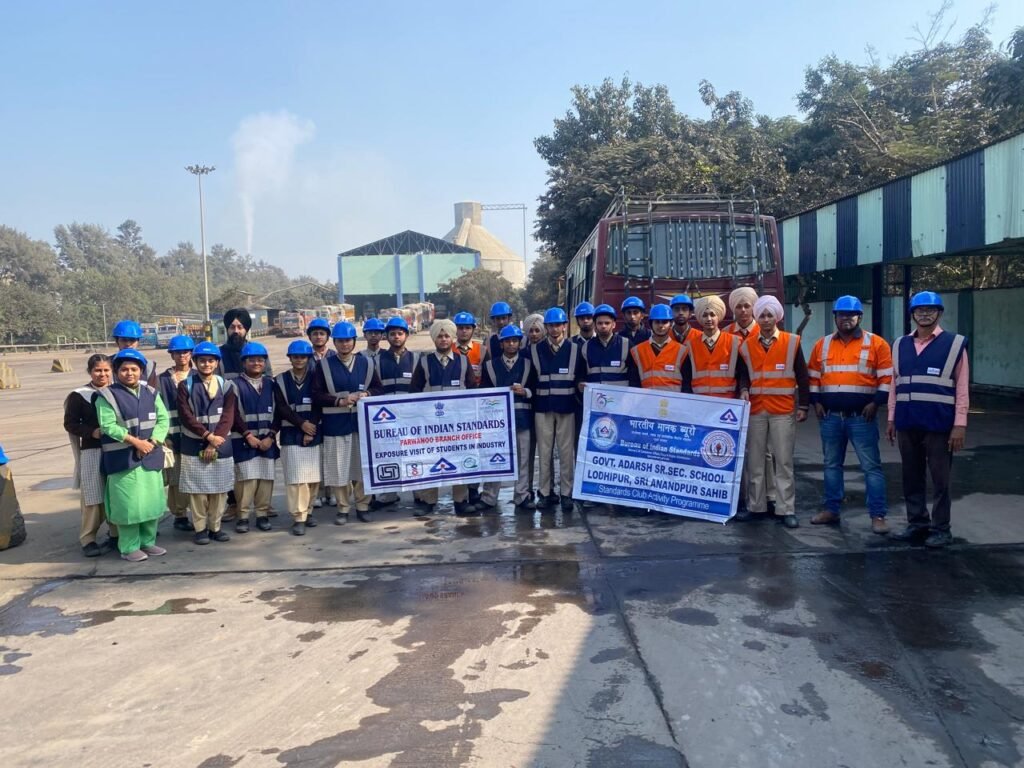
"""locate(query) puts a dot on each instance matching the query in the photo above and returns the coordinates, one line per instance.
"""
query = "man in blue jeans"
(851, 374)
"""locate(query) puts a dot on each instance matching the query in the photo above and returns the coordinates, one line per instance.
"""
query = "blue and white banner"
(437, 438)
(676, 453)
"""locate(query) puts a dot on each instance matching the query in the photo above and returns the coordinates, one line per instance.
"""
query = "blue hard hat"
(583, 309)
(605, 309)
(129, 354)
(300, 347)
(343, 330)
(206, 349)
(500, 308)
(555, 315)
(318, 322)
(396, 322)
(925, 299)
(464, 318)
(3, 456)
(253, 349)
(127, 329)
(681, 300)
(510, 332)
(633, 302)
(180, 344)
(660, 312)
(848, 304)
(373, 324)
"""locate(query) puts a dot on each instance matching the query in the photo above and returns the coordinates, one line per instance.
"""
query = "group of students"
(205, 435)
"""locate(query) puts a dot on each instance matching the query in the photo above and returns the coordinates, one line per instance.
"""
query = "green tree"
(541, 289)
(476, 290)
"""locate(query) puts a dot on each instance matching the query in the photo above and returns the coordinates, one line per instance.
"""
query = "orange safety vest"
(863, 368)
(474, 354)
(660, 370)
(772, 376)
(691, 333)
(735, 330)
(714, 370)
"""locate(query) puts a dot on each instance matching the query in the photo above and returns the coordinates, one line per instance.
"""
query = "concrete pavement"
(586, 639)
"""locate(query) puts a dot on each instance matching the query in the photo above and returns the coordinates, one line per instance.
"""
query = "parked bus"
(293, 324)
(656, 248)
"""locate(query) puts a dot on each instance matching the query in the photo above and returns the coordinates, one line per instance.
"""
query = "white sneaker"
(333, 501)
(317, 503)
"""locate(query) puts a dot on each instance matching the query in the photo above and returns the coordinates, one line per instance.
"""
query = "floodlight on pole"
(199, 171)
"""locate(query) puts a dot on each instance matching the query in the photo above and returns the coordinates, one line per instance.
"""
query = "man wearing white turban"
(777, 369)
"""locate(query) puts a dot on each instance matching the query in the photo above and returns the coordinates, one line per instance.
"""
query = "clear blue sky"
(392, 111)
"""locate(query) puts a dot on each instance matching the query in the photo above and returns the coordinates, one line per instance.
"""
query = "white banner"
(672, 452)
(437, 438)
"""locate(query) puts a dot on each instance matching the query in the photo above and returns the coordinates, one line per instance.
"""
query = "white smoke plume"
(265, 147)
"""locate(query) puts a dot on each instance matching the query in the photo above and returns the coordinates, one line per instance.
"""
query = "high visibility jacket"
(926, 382)
(714, 370)
(660, 370)
(256, 410)
(430, 376)
(691, 333)
(475, 354)
(772, 375)
(847, 376)
(607, 364)
(556, 377)
(640, 335)
(138, 415)
(208, 412)
(743, 333)
(340, 420)
(167, 387)
(300, 399)
(396, 375)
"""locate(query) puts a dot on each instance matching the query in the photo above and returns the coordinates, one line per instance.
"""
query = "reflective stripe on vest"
(549, 384)
(944, 380)
(771, 387)
(325, 365)
(860, 378)
(282, 385)
(259, 422)
(714, 371)
(424, 363)
(517, 400)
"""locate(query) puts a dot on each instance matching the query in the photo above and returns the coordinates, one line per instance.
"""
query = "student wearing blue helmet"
(584, 316)
(127, 334)
(373, 333)
(682, 310)
(319, 334)
(500, 316)
(255, 451)
(395, 366)
(928, 406)
(634, 330)
(300, 435)
(180, 349)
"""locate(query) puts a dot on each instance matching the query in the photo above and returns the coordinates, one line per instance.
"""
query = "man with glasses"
(928, 416)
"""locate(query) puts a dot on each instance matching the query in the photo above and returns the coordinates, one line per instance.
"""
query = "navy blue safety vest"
(577, 339)
(607, 364)
(208, 412)
(138, 416)
(500, 376)
(396, 375)
(556, 383)
(494, 346)
(168, 389)
(341, 382)
(301, 401)
(925, 386)
(256, 410)
(438, 379)
(641, 335)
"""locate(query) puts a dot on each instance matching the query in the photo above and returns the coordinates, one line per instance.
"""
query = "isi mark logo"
(718, 448)
(604, 433)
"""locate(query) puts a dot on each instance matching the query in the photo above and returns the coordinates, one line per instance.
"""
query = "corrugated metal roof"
(928, 212)
(407, 242)
(1004, 190)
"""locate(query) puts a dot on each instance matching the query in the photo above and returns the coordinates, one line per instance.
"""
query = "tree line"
(861, 124)
(59, 290)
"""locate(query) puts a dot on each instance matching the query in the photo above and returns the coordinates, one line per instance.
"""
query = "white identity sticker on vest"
(406, 374)
(220, 411)
(307, 400)
(670, 367)
(362, 387)
(563, 370)
(780, 366)
(723, 367)
(934, 371)
(615, 363)
(455, 382)
(152, 415)
(270, 409)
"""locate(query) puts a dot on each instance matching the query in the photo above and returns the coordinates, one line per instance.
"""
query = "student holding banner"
(658, 362)
(514, 371)
(440, 371)
(777, 370)
(341, 382)
(713, 356)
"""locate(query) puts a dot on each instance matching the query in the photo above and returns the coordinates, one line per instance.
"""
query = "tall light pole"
(199, 171)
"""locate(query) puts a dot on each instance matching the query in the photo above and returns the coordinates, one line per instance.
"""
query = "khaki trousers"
(207, 510)
(460, 493)
(93, 516)
(256, 493)
(523, 464)
(352, 493)
(177, 501)
(300, 499)
(769, 474)
(776, 432)
(556, 430)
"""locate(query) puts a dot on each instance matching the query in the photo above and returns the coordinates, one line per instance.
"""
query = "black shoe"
(474, 496)
(421, 503)
(219, 536)
(771, 507)
(547, 501)
(242, 526)
(425, 510)
(183, 524)
(483, 506)
(298, 529)
(364, 516)
(914, 534)
(110, 544)
(588, 504)
(92, 549)
(743, 515)
(567, 503)
(526, 505)
(341, 518)
(311, 521)
(202, 537)
(790, 521)
(263, 523)
(938, 539)
(465, 509)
